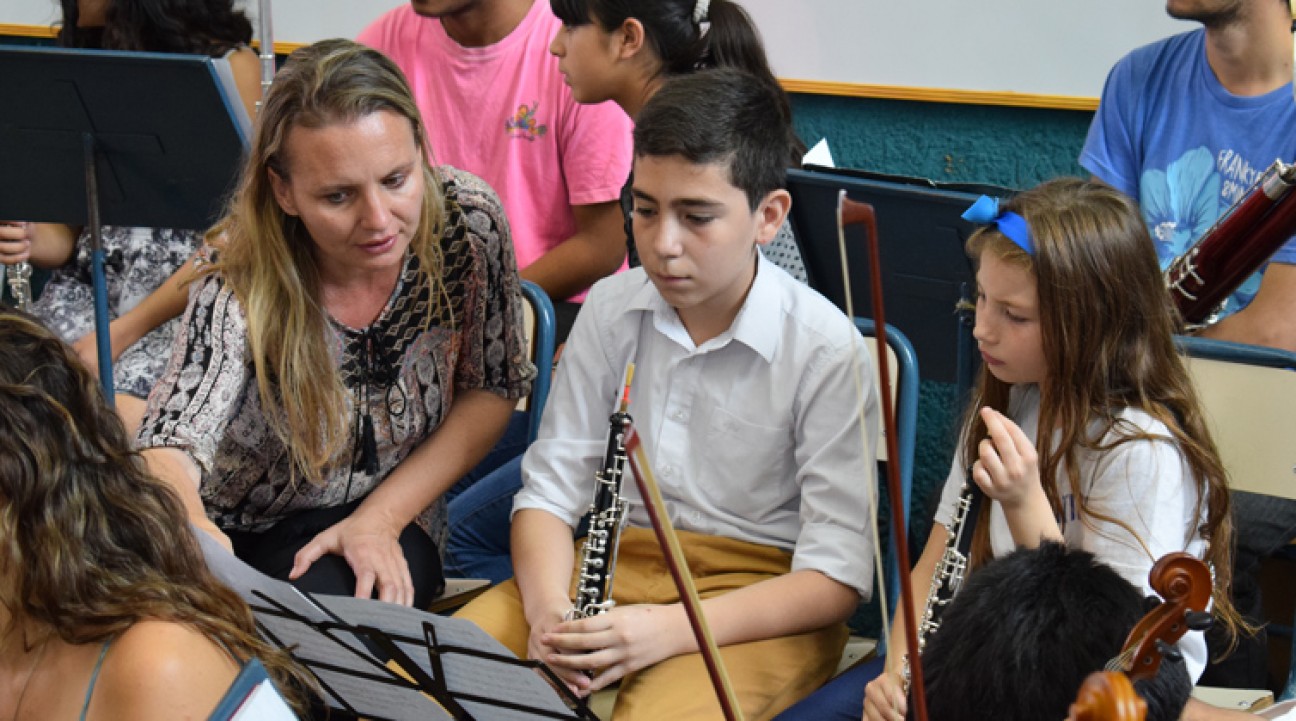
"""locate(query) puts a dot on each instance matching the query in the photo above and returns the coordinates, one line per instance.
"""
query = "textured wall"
(1015, 147)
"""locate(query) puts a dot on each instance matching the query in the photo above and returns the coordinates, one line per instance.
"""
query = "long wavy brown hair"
(268, 258)
(1107, 329)
(92, 543)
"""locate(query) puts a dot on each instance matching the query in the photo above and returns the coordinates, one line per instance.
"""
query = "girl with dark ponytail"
(624, 50)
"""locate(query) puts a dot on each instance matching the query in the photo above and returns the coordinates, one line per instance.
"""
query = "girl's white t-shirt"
(1145, 483)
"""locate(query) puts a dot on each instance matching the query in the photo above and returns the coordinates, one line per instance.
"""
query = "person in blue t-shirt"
(1185, 126)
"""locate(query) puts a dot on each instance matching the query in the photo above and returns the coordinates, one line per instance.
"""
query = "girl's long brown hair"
(92, 542)
(1107, 329)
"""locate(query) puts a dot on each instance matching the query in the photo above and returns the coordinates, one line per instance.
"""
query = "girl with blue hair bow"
(1076, 334)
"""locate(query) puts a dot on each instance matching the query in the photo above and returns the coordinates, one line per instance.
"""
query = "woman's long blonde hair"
(91, 542)
(268, 259)
(1107, 330)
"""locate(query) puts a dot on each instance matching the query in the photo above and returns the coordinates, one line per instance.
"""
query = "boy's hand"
(1008, 466)
(541, 649)
(616, 643)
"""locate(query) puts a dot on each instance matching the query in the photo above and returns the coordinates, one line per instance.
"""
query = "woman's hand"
(15, 242)
(885, 698)
(613, 644)
(372, 549)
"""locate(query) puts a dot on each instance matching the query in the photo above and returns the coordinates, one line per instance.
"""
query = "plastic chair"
(903, 366)
(540, 327)
(1249, 396)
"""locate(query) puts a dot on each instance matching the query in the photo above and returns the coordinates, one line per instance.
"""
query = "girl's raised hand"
(1007, 468)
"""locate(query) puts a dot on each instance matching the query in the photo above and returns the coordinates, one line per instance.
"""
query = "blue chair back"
(904, 366)
(541, 335)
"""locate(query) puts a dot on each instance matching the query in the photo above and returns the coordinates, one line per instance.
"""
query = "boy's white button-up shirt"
(754, 435)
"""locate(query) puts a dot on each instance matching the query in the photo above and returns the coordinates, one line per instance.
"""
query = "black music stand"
(377, 660)
(104, 137)
(925, 270)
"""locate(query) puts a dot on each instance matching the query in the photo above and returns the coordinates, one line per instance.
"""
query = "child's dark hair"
(725, 37)
(729, 40)
(719, 116)
(205, 27)
(1026, 630)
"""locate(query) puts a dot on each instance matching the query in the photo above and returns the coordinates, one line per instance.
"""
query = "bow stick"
(851, 212)
(675, 561)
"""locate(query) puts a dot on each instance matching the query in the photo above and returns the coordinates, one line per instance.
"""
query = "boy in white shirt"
(749, 394)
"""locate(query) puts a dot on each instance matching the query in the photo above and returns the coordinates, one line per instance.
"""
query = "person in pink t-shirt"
(496, 105)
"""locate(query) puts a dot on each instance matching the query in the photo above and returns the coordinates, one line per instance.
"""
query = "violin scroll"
(1184, 582)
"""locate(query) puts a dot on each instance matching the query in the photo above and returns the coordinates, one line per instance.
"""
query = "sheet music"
(346, 669)
(465, 672)
(318, 630)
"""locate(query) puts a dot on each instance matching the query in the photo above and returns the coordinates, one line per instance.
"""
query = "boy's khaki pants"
(767, 676)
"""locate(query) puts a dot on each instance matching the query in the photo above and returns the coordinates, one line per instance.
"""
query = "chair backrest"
(902, 364)
(1249, 396)
(540, 332)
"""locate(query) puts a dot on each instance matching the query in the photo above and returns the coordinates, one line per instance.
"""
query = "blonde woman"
(353, 347)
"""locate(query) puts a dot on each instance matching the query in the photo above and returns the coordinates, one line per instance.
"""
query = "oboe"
(954, 562)
(607, 517)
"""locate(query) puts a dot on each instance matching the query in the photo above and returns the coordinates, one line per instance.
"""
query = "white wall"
(1043, 47)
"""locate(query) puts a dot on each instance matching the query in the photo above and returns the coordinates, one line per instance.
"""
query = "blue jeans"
(841, 699)
(480, 505)
(479, 526)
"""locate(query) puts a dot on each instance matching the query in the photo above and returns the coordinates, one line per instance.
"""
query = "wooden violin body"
(1107, 696)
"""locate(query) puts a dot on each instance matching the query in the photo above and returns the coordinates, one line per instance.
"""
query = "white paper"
(264, 704)
(819, 155)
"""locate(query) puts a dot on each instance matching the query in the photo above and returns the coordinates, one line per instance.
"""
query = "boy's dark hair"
(1026, 630)
(720, 116)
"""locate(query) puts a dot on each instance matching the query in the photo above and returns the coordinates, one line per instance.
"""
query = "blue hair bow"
(986, 210)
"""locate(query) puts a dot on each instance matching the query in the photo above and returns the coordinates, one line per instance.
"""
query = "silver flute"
(20, 285)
